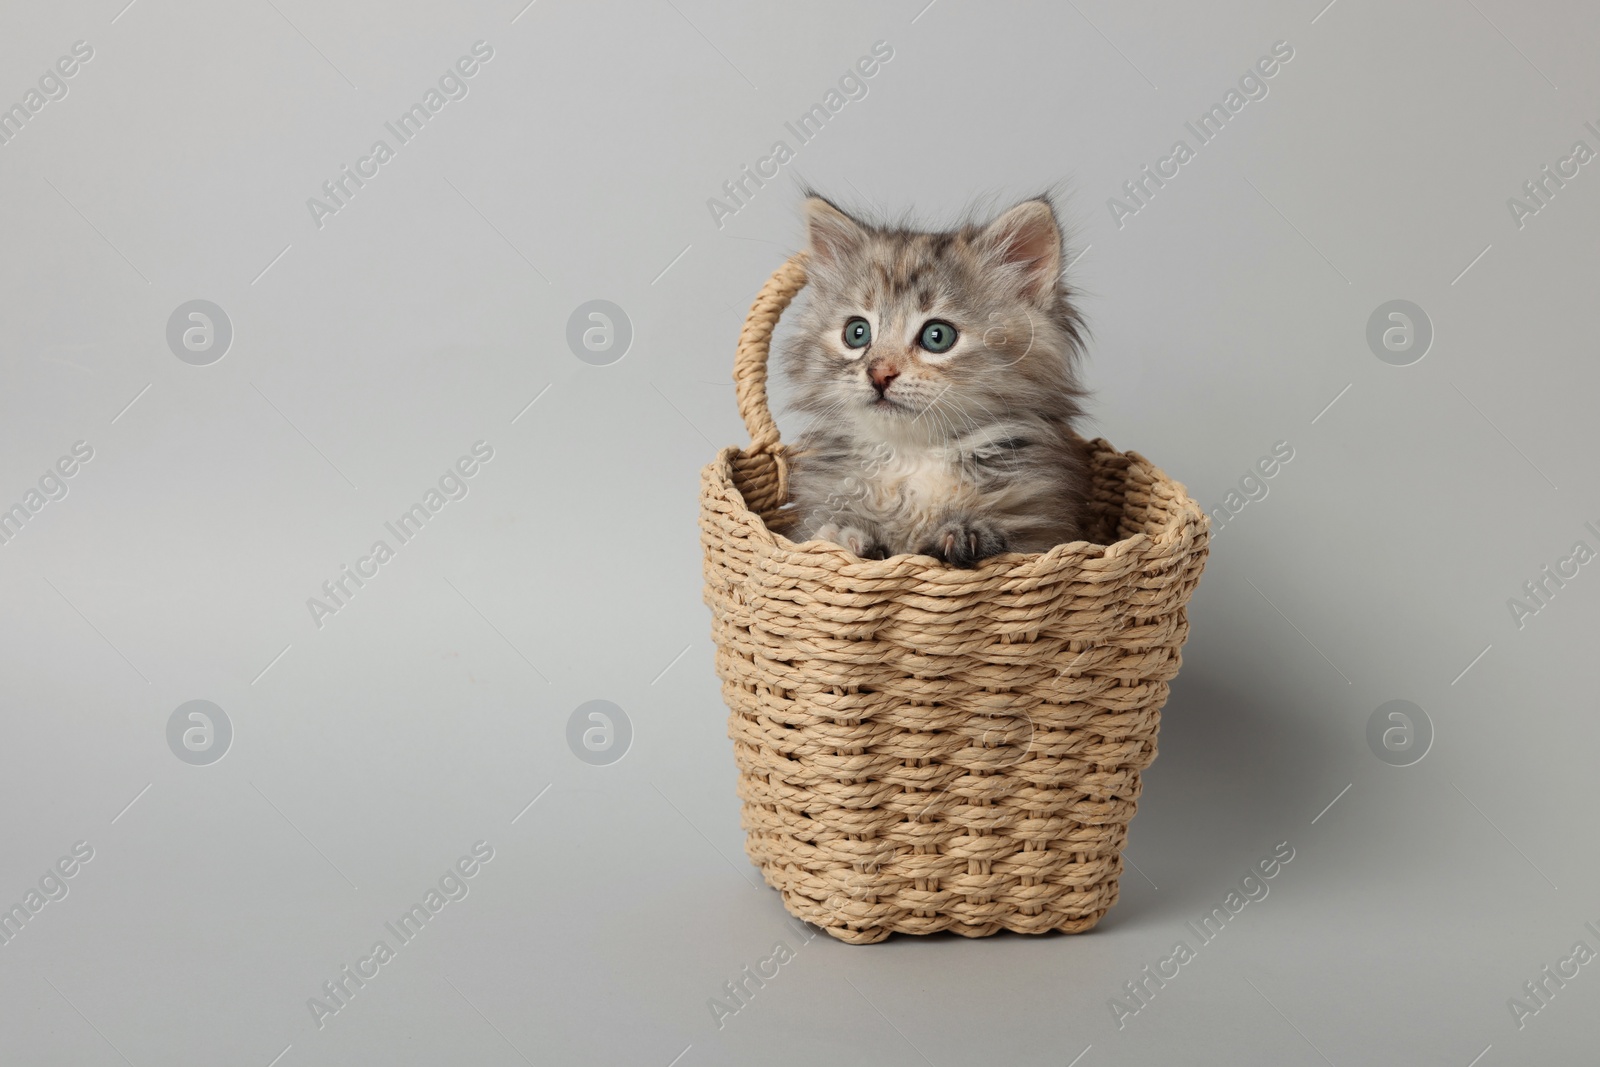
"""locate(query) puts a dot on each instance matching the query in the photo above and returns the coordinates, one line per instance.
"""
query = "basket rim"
(1186, 514)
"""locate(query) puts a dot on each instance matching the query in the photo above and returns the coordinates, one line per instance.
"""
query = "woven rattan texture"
(924, 748)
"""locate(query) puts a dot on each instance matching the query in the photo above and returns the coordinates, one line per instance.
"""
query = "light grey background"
(368, 354)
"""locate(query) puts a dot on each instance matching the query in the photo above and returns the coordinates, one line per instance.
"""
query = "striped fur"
(961, 455)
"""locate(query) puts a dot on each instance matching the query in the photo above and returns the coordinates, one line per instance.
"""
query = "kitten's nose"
(882, 375)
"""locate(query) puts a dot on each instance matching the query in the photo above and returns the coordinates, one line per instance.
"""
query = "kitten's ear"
(833, 235)
(1028, 237)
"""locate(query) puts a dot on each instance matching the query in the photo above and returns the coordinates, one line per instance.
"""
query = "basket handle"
(750, 360)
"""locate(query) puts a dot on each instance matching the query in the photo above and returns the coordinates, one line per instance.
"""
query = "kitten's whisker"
(949, 427)
(1011, 448)
(968, 416)
(931, 408)
(821, 416)
(818, 417)
(930, 403)
(967, 420)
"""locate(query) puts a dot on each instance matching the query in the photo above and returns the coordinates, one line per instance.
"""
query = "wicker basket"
(926, 748)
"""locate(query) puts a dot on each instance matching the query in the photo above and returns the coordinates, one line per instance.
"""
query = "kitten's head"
(914, 335)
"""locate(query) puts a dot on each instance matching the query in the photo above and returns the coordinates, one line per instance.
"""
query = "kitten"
(939, 371)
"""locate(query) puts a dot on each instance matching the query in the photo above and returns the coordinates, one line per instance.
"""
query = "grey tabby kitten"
(939, 371)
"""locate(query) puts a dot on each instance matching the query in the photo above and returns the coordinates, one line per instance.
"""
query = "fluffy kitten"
(939, 371)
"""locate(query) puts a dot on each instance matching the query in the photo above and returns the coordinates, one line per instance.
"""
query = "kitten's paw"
(962, 543)
(856, 539)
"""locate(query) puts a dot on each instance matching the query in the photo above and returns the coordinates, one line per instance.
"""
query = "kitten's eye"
(857, 333)
(937, 336)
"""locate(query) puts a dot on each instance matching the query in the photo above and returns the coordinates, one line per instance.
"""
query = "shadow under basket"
(921, 747)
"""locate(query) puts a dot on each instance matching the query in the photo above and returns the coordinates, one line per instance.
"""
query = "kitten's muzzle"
(881, 374)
